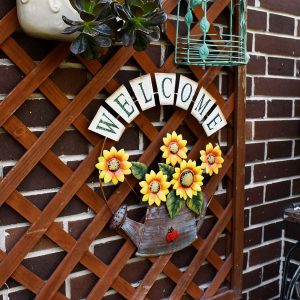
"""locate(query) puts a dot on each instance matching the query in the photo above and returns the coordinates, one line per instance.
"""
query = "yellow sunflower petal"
(144, 190)
(102, 174)
(107, 177)
(101, 165)
(189, 192)
(161, 195)
(143, 183)
(145, 198)
(113, 150)
(120, 176)
(107, 155)
(127, 171)
(174, 159)
(157, 201)
(168, 160)
(209, 147)
(182, 143)
(181, 153)
(152, 198)
(115, 180)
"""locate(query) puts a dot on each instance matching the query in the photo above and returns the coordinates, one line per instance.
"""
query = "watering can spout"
(132, 228)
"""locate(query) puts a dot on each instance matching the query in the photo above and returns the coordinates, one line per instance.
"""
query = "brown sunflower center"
(174, 148)
(211, 159)
(154, 187)
(187, 178)
(113, 165)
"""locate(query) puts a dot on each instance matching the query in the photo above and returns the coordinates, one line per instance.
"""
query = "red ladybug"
(172, 235)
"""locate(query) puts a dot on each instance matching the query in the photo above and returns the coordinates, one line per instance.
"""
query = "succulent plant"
(96, 28)
(141, 22)
(138, 25)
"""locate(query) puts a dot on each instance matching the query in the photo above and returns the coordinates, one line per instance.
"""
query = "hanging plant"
(96, 28)
(134, 23)
(141, 22)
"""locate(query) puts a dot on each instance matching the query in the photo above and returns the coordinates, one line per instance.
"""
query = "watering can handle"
(201, 217)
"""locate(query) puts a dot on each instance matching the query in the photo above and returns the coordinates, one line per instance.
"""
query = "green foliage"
(167, 170)
(174, 204)
(141, 22)
(195, 203)
(139, 170)
(138, 25)
(96, 28)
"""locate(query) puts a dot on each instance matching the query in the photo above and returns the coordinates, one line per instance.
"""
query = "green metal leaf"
(195, 203)
(204, 52)
(139, 170)
(204, 25)
(167, 170)
(174, 204)
(196, 2)
(189, 18)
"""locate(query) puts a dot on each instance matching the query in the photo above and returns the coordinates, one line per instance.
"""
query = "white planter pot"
(43, 18)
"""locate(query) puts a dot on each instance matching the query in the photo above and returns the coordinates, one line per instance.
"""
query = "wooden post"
(239, 179)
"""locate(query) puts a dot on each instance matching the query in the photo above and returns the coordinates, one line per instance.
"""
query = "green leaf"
(204, 52)
(188, 18)
(174, 204)
(204, 25)
(167, 170)
(195, 203)
(139, 170)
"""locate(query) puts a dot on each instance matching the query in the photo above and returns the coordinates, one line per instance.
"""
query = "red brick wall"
(273, 132)
(272, 170)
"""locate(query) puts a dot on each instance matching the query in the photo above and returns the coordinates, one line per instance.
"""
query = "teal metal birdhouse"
(204, 44)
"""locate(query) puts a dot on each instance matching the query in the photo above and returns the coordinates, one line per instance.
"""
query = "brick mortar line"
(263, 283)
(267, 55)
(275, 12)
(254, 268)
(252, 142)
(266, 243)
(269, 98)
(274, 34)
(272, 76)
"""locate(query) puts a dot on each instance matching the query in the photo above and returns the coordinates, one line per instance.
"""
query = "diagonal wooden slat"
(32, 81)
(63, 240)
(16, 53)
(219, 278)
(29, 280)
(57, 127)
(9, 24)
(200, 256)
(151, 276)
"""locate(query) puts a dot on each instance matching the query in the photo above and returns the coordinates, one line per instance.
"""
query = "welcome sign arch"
(203, 108)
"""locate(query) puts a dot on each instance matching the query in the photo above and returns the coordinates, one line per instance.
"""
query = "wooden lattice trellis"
(229, 219)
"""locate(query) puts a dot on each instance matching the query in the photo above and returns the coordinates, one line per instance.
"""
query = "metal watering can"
(150, 237)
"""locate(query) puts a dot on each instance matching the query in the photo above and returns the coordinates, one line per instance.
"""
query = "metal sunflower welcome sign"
(124, 105)
(172, 191)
